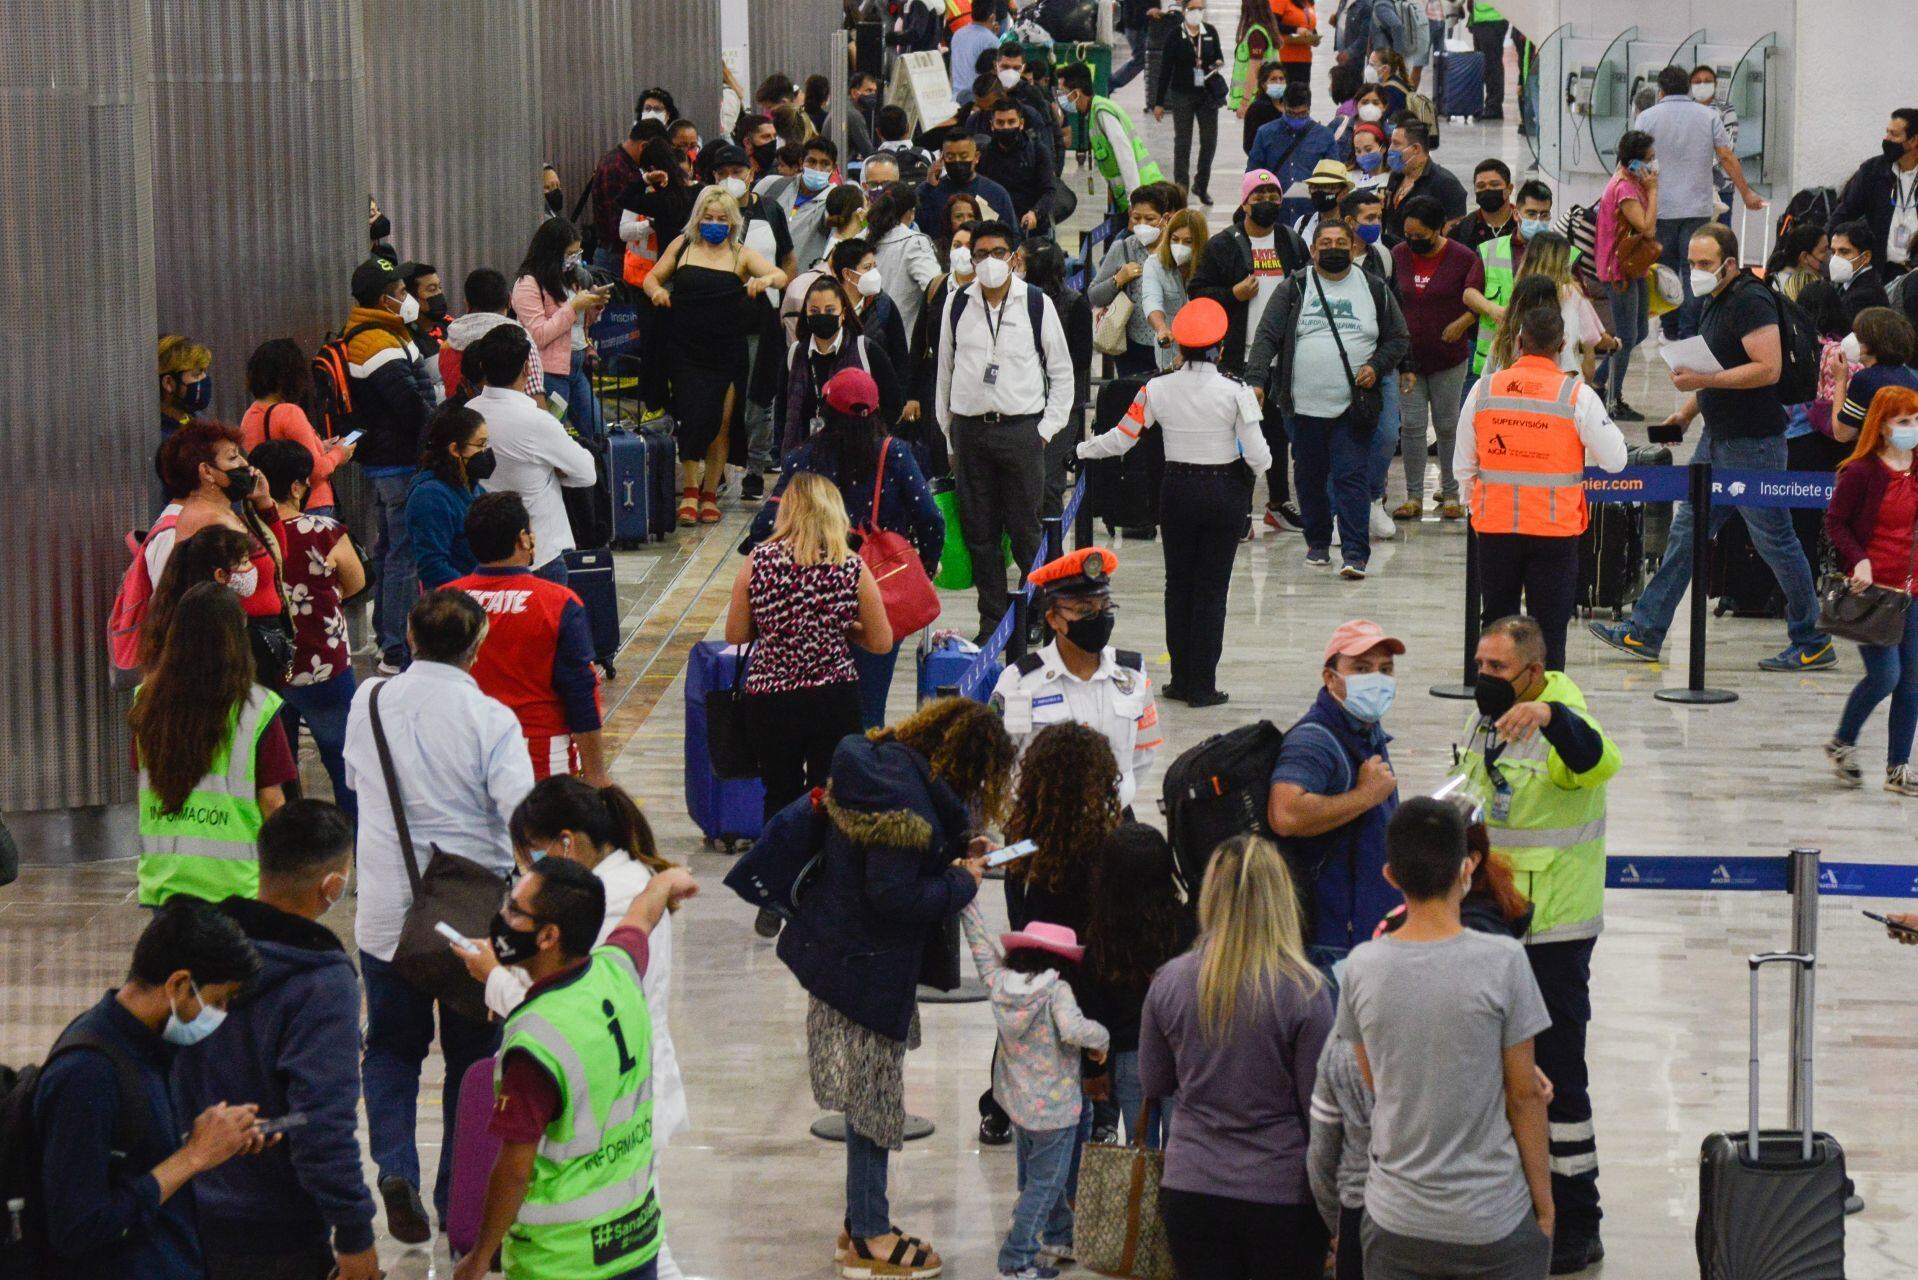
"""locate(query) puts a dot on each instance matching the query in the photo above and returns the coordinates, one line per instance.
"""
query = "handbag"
(1635, 253)
(1119, 1231)
(272, 644)
(1874, 616)
(729, 747)
(904, 589)
(1368, 403)
(454, 890)
(1108, 338)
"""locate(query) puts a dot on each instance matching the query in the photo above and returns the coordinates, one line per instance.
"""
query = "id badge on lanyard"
(1501, 807)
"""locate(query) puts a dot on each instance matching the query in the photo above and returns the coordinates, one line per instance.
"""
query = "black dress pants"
(1489, 39)
(1564, 974)
(795, 734)
(1543, 570)
(1219, 1238)
(1202, 514)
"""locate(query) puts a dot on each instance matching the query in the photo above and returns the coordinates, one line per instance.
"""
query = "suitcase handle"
(1809, 963)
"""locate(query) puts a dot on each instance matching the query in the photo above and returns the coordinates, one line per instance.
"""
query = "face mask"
(1894, 151)
(1490, 201)
(1263, 214)
(1369, 161)
(1091, 634)
(734, 187)
(763, 156)
(960, 171)
(961, 260)
(196, 396)
(1324, 201)
(1146, 234)
(380, 228)
(822, 325)
(1853, 352)
(1369, 232)
(480, 465)
(512, 946)
(1495, 696)
(1905, 436)
(574, 261)
(436, 307)
(1275, 91)
(239, 481)
(994, 272)
(1194, 18)
(409, 308)
(1842, 269)
(1335, 261)
(715, 232)
(1369, 695)
(1007, 138)
(1703, 282)
(653, 115)
(331, 899)
(814, 179)
(1298, 124)
(1008, 77)
(1395, 160)
(1181, 254)
(1529, 227)
(1705, 92)
(245, 582)
(1371, 112)
(1371, 73)
(555, 202)
(204, 1023)
(871, 283)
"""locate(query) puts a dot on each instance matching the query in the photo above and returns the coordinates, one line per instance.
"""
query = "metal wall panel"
(799, 38)
(259, 172)
(676, 44)
(453, 129)
(76, 253)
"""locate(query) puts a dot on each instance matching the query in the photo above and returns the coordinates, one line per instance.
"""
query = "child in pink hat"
(1035, 1077)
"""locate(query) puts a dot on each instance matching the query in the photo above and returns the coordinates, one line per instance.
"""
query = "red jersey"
(538, 654)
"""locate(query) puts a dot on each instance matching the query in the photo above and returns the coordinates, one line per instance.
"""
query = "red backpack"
(129, 612)
(333, 385)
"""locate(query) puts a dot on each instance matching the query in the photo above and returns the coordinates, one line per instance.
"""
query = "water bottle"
(16, 1229)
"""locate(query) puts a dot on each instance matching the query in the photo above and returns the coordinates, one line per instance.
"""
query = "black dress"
(706, 346)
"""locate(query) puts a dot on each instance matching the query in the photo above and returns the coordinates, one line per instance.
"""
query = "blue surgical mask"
(1369, 232)
(1369, 695)
(1395, 160)
(814, 179)
(1904, 437)
(1529, 227)
(204, 1023)
(1369, 161)
(714, 232)
(1275, 91)
(1298, 124)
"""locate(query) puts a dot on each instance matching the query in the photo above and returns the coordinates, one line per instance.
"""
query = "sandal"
(1410, 509)
(689, 507)
(842, 1247)
(908, 1260)
(1451, 511)
(708, 507)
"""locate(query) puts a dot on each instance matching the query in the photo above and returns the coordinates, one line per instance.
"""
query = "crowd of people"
(1357, 1029)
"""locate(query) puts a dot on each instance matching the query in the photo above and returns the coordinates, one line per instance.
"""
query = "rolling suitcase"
(1658, 515)
(474, 1151)
(1771, 1202)
(1124, 491)
(589, 510)
(589, 572)
(728, 812)
(1611, 558)
(626, 473)
(943, 664)
(662, 475)
(1741, 581)
(1461, 84)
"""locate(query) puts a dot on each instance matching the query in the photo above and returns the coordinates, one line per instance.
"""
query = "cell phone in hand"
(280, 1124)
(1011, 853)
(351, 437)
(1665, 433)
(458, 940)
(1893, 925)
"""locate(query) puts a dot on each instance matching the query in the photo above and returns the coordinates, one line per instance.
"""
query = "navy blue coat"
(885, 885)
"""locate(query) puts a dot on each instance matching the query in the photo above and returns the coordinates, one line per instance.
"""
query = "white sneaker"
(1901, 780)
(1381, 523)
(1844, 762)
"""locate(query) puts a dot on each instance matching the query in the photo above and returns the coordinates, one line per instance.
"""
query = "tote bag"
(904, 588)
(729, 747)
(1119, 1231)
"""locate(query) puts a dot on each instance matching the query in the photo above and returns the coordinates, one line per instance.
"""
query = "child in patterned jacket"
(1035, 1077)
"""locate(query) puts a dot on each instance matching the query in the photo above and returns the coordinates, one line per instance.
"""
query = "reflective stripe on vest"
(1496, 254)
(1242, 60)
(1531, 461)
(208, 847)
(1107, 161)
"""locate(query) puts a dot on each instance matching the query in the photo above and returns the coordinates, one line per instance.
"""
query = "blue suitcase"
(628, 477)
(589, 572)
(946, 664)
(728, 812)
(662, 472)
(1461, 84)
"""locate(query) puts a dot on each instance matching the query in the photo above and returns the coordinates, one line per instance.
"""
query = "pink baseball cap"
(1059, 939)
(1360, 636)
(1256, 178)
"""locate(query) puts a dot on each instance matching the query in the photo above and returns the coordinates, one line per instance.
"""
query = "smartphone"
(1661, 433)
(1890, 924)
(351, 437)
(1011, 853)
(280, 1124)
(459, 941)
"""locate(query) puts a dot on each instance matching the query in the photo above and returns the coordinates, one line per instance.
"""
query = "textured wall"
(76, 252)
(800, 38)
(1841, 60)
(453, 129)
(259, 173)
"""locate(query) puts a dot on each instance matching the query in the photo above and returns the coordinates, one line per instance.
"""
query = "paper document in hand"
(1690, 353)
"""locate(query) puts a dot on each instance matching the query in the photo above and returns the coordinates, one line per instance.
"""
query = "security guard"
(572, 1195)
(1521, 454)
(1540, 764)
(1079, 677)
(1116, 147)
(1214, 451)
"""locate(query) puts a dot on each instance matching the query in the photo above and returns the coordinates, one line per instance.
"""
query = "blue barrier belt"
(976, 680)
(1730, 487)
(1851, 879)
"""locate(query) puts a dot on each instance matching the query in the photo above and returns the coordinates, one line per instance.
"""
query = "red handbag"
(908, 595)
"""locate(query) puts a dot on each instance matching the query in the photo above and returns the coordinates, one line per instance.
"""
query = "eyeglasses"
(1001, 255)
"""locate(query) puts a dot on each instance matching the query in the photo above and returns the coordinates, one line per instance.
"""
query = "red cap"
(1076, 570)
(1360, 636)
(1200, 323)
(852, 391)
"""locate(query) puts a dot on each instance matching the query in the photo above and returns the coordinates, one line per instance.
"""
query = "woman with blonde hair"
(1168, 276)
(706, 277)
(1234, 1027)
(1549, 254)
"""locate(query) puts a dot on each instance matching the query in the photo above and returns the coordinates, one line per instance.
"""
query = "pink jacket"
(550, 323)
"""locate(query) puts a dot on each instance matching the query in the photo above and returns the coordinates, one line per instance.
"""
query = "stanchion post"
(1802, 870)
(1695, 693)
(1052, 538)
(1468, 678)
(1016, 643)
(1082, 525)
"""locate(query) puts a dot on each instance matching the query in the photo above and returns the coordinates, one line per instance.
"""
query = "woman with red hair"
(1873, 526)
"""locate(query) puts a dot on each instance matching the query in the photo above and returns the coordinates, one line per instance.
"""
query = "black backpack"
(24, 1254)
(1798, 343)
(1816, 205)
(1218, 790)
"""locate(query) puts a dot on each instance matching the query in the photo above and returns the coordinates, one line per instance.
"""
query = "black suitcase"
(1658, 515)
(1741, 581)
(1771, 1202)
(1611, 558)
(1124, 491)
(589, 510)
(662, 474)
(589, 572)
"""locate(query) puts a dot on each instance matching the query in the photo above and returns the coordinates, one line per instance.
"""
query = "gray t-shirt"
(1435, 1019)
(1319, 388)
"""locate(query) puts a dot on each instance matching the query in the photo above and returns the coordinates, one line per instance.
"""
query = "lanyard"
(992, 325)
(1904, 194)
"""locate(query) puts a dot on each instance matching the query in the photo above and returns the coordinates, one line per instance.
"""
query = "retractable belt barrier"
(1835, 879)
(978, 678)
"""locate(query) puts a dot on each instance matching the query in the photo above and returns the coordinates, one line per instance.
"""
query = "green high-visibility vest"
(1108, 161)
(591, 1210)
(1242, 61)
(1500, 274)
(1482, 12)
(1549, 823)
(209, 848)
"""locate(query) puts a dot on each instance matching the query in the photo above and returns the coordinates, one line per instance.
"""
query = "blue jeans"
(582, 411)
(1632, 323)
(1890, 669)
(1135, 61)
(554, 570)
(1332, 466)
(399, 584)
(1129, 1096)
(1385, 440)
(868, 1216)
(1674, 246)
(1772, 534)
(324, 708)
(1043, 1213)
(328, 510)
(611, 259)
(399, 1031)
(875, 683)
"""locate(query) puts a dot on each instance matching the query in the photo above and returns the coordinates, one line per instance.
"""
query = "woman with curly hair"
(1067, 802)
(899, 862)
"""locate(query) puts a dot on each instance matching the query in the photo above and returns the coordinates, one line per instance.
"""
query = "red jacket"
(1853, 513)
(538, 653)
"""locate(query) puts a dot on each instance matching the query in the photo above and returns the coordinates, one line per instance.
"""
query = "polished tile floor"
(748, 1194)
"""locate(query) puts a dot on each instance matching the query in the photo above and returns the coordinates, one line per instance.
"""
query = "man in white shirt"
(1004, 389)
(460, 768)
(537, 458)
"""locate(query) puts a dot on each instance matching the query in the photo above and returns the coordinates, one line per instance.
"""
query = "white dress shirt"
(462, 768)
(1604, 442)
(1117, 701)
(1208, 419)
(536, 459)
(1025, 384)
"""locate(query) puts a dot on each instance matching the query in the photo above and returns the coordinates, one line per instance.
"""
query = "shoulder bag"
(1110, 337)
(729, 746)
(911, 603)
(1874, 616)
(1119, 1231)
(455, 890)
(1368, 403)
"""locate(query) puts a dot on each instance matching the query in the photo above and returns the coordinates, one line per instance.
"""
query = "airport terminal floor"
(749, 1193)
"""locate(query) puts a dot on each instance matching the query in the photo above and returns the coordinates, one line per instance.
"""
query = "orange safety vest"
(1531, 463)
(958, 14)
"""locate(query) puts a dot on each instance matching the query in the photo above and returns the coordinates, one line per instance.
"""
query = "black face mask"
(239, 481)
(1490, 201)
(1894, 151)
(763, 156)
(822, 325)
(866, 102)
(512, 946)
(1424, 246)
(480, 465)
(1007, 138)
(1325, 201)
(960, 171)
(1494, 695)
(555, 202)
(380, 229)
(1263, 214)
(1335, 261)
(436, 307)
(1091, 634)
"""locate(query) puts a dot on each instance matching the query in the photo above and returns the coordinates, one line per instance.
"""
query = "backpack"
(1217, 790)
(333, 385)
(24, 1254)
(774, 873)
(1798, 343)
(1417, 45)
(130, 603)
(1035, 312)
(1422, 107)
(1816, 205)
